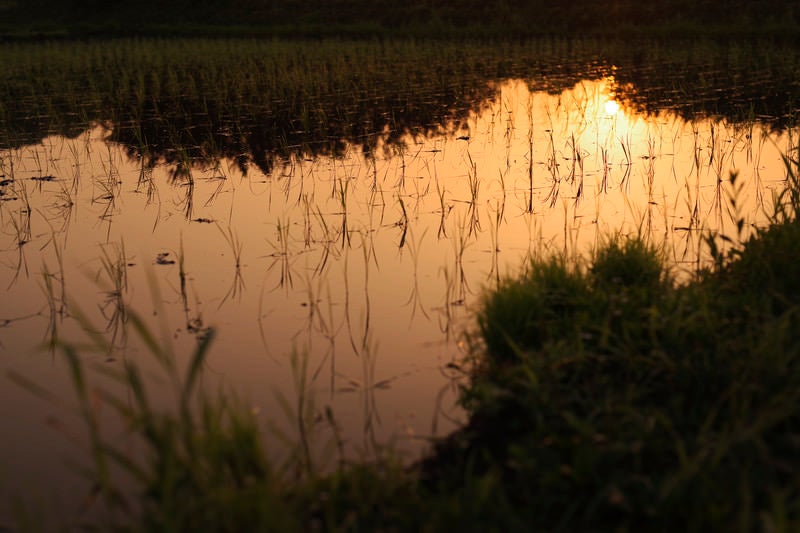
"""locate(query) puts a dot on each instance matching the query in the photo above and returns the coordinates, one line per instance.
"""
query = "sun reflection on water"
(371, 264)
(611, 107)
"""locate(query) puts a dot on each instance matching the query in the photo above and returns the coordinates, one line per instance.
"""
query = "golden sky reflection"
(371, 266)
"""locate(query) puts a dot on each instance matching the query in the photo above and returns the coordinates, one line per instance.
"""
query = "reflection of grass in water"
(114, 309)
(415, 296)
(235, 246)
(21, 226)
(282, 254)
(56, 298)
(600, 396)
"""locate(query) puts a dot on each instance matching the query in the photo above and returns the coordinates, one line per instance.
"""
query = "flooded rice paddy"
(340, 281)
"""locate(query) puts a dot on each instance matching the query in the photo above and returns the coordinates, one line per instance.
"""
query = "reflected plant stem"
(474, 188)
(370, 413)
(444, 211)
(530, 155)
(626, 150)
(401, 181)
(304, 408)
(76, 165)
(22, 236)
(282, 255)
(221, 180)
(307, 219)
(262, 330)
(327, 242)
(61, 278)
(495, 240)
(460, 244)
(402, 223)
(578, 161)
(315, 322)
(237, 285)
(452, 298)
(114, 309)
(194, 322)
(331, 332)
(342, 195)
(553, 168)
(63, 207)
(105, 194)
(188, 201)
(414, 299)
(55, 308)
(605, 164)
(367, 314)
(759, 184)
(359, 345)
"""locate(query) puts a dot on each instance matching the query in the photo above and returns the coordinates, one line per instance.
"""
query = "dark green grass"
(609, 398)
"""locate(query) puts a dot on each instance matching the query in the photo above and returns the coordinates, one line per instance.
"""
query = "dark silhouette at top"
(418, 17)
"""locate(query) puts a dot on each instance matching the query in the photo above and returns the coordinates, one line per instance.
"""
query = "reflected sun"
(611, 107)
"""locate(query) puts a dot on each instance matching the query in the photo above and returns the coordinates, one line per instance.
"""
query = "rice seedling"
(145, 180)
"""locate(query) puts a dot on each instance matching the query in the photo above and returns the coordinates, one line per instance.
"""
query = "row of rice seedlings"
(189, 74)
(167, 78)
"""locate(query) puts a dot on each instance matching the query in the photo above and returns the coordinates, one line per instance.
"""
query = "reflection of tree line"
(175, 108)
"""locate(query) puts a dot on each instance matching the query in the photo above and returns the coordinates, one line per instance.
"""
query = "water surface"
(340, 279)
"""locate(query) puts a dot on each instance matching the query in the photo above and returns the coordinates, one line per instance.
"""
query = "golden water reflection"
(368, 266)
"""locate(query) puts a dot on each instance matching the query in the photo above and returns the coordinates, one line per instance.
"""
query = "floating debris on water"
(163, 259)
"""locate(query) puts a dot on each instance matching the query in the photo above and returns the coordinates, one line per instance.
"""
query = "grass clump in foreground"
(611, 398)
(602, 398)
